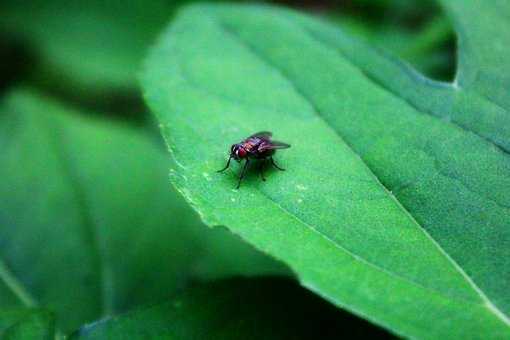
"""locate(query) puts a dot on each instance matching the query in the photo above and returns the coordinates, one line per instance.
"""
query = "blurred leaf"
(395, 202)
(26, 324)
(236, 309)
(88, 226)
(223, 254)
(423, 50)
(93, 45)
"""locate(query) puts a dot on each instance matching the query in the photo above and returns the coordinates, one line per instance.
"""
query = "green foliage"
(23, 323)
(88, 222)
(484, 51)
(396, 200)
(95, 45)
(416, 31)
(26, 324)
(423, 50)
(395, 204)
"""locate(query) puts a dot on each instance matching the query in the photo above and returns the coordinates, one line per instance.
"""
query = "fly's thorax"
(251, 144)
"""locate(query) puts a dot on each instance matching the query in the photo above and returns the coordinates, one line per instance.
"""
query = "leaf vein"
(418, 109)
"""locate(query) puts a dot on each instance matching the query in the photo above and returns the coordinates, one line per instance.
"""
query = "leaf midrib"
(252, 50)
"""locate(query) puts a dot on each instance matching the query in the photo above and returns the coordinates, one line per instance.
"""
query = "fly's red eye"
(241, 152)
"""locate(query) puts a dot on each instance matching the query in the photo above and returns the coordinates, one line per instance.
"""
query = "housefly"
(258, 146)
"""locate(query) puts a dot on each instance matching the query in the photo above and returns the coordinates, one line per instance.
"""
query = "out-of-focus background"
(89, 225)
(89, 53)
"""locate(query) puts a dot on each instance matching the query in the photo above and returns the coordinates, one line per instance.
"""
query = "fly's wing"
(272, 145)
(262, 134)
(279, 145)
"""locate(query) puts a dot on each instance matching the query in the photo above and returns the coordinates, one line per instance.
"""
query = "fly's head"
(238, 152)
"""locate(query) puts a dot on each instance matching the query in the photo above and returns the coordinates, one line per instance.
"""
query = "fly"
(258, 146)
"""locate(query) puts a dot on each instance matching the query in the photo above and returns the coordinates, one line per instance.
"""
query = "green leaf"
(94, 45)
(26, 324)
(466, 106)
(88, 226)
(484, 51)
(235, 309)
(395, 202)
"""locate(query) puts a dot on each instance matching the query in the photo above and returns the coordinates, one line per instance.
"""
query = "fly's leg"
(276, 166)
(242, 174)
(226, 166)
(261, 169)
